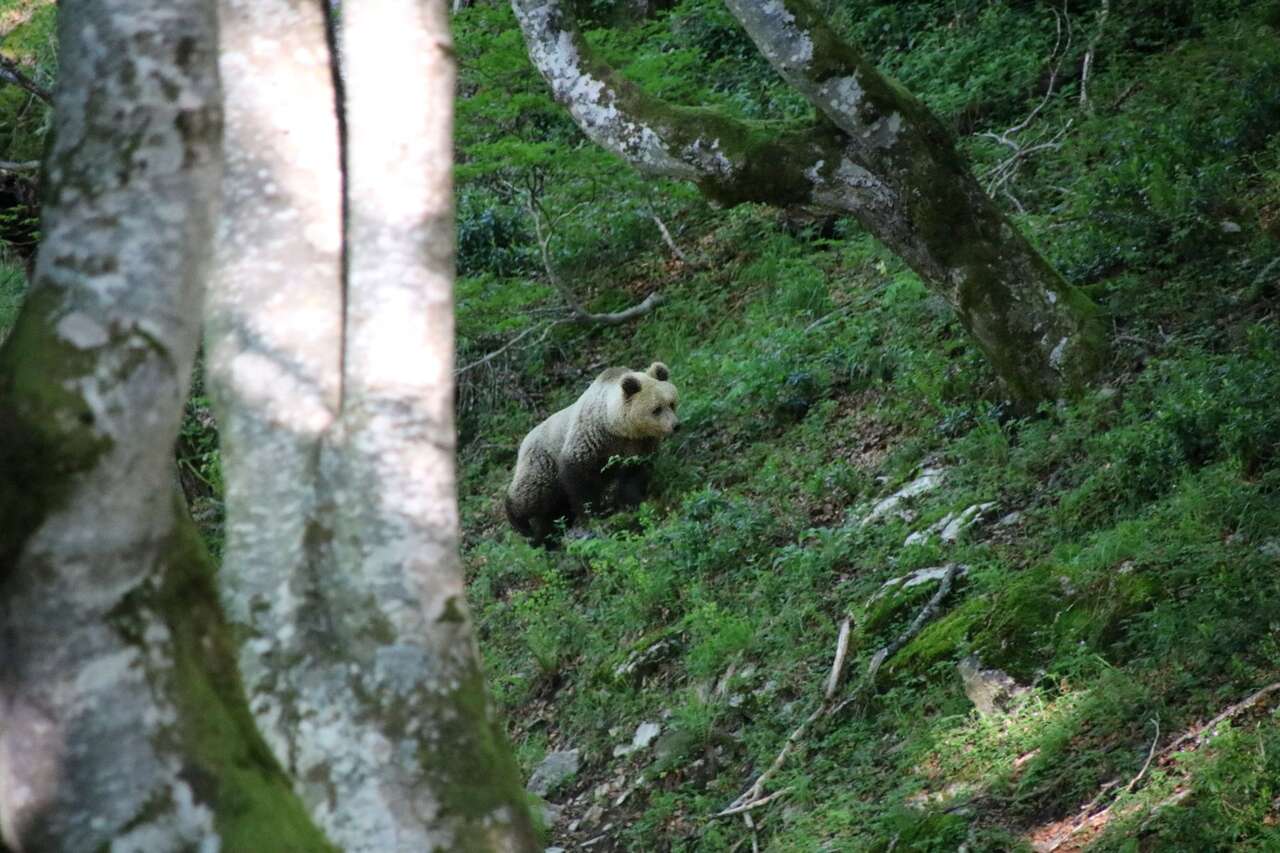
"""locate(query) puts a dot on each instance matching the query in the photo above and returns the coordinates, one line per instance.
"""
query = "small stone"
(554, 850)
(1010, 519)
(593, 815)
(991, 690)
(645, 735)
(1270, 548)
(554, 770)
(1229, 227)
(929, 479)
(916, 578)
(551, 813)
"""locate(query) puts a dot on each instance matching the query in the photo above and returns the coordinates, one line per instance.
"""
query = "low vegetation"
(1126, 572)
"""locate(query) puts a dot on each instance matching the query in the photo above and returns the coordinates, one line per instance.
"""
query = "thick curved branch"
(877, 154)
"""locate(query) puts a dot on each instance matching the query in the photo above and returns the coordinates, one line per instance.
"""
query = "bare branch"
(926, 615)
(666, 238)
(750, 798)
(546, 328)
(543, 229)
(1087, 66)
(10, 73)
(19, 165)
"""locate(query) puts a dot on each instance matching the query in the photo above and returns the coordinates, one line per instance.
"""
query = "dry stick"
(9, 73)
(924, 617)
(508, 345)
(666, 238)
(754, 804)
(1233, 711)
(751, 798)
(19, 165)
(1000, 176)
(1196, 736)
(1088, 54)
(1150, 755)
(578, 314)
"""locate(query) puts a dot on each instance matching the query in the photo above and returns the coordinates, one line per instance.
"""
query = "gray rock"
(556, 769)
(929, 479)
(645, 735)
(963, 520)
(916, 578)
(1270, 548)
(991, 690)
(641, 661)
(551, 813)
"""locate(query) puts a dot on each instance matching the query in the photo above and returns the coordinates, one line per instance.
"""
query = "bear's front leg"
(633, 485)
(584, 486)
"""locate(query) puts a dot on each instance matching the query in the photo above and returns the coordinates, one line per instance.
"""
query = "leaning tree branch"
(11, 73)
(875, 152)
(19, 165)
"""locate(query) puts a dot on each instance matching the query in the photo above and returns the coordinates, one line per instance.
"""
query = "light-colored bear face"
(647, 404)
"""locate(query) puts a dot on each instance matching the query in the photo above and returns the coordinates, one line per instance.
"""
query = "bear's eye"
(658, 411)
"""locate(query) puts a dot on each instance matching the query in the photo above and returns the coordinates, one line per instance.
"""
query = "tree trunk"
(335, 403)
(122, 721)
(876, 153)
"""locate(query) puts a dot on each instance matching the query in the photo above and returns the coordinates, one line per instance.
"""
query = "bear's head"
(647, 404)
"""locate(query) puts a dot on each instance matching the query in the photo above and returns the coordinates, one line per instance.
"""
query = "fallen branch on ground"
(751, 798)
(19, 165)
(543, 227)
(1198, 735)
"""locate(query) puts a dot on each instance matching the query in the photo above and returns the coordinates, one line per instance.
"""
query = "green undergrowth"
(1126, 575)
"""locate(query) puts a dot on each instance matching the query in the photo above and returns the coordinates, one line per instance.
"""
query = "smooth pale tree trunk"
(332, 372)
(123, 725)
(876, 153)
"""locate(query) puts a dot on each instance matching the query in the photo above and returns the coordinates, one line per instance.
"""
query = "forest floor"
(1100, 673)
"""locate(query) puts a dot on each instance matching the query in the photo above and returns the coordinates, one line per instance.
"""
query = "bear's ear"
(630, 386)
(659, 371)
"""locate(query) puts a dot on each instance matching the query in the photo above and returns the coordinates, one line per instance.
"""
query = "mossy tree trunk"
(874, 152)
(330, 344)
(122, 720)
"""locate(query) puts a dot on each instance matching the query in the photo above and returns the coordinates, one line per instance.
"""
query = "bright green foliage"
(26, 37)
(13, 286)
(817, 374)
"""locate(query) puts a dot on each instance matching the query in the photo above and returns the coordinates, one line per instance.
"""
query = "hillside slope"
(1123, 566)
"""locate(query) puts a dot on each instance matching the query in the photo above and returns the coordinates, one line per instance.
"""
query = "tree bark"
(122, 721)
(875, 152)
(335, 402)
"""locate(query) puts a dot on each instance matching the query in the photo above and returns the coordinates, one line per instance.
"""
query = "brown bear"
(568, 463)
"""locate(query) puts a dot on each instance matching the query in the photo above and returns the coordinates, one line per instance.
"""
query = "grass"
(1133, 590)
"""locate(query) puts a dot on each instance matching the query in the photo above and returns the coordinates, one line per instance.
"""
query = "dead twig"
(19, 165)
(754, 804)
(545, 327)
(669, 240)
(544, 227)
(751, 798)
(1197, 736)
(1087, 65)
(10, 73)
(1000, 177)
(1150, 755)
(927, 614)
